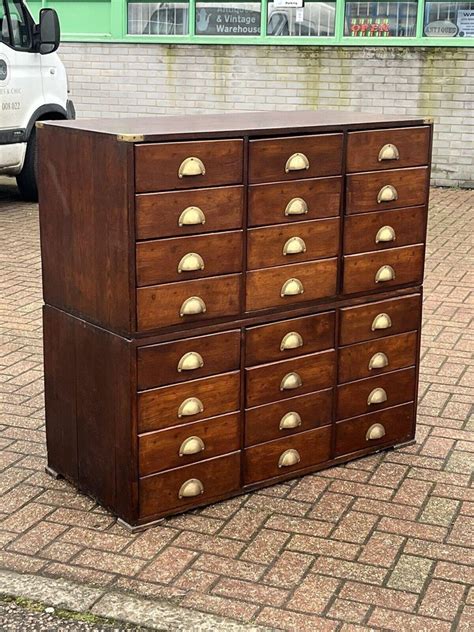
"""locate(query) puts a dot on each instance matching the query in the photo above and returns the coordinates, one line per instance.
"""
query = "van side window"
(20, 28)
(4, 31)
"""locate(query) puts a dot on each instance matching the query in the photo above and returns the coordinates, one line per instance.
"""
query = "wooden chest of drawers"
(230, 300)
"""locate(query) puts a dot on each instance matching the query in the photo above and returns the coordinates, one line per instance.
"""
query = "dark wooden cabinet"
(230, 300)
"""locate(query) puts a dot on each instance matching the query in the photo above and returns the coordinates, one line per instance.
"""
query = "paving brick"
(442, 600)
(440, 511)
(434, 550)
(208, 544)
(412, 529)
(265, 546)
(462, 531)
(394, 620)
(330, 507)
(231, 568)
(288, 569)
(248, 591)
(291, 621)
(389, 509)
(167, 565)
(355, 527)
(220, 605)
(37, 538)
(349, 570)
(375, 595)
(350, 611)
(299, 525)
(466, 621)
(381, 549)
(410, 573)
(313, 594)
(196, 580)
(455, 572)
(109, 562)
(412, 492)
(324, 546)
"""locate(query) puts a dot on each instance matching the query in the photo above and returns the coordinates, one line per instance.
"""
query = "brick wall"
(124, 79)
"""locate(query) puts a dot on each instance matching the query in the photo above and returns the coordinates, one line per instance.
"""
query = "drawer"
(367, 359)
(165, 166)
(189, 443)
(283, 456)
(390, 426)
(191, 401)
(288, 285)
(295, 157)
(281, 380)
(382, 318)
(188, 301)
(281, 419)
(388, 149)
(284, 202)
(289, 243)
(188, 212)
(386, 229)
(185, 487)
(366, 396)
(191, 358)
(380, 270)
(184, 258)
(289, 338)
(380, 190)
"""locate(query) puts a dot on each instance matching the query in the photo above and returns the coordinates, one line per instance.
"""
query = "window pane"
(158, 18)
(315, 18)
(449, 19)
(380, 19)
(20, 37)
(227, 18)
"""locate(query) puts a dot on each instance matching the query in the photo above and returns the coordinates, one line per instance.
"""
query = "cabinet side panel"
(84, 207)
(60, 392)
(106, 467)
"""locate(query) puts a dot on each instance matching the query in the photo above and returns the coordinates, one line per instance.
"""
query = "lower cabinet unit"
(236, 301)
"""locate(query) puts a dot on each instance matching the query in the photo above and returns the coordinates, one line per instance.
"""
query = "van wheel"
(26, 180)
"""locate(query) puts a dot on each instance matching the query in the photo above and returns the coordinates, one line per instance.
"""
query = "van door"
(21, 92)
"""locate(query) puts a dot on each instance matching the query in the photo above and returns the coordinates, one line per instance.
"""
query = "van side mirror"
(49, 31)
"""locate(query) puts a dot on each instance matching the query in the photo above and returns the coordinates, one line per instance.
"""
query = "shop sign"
(369, 27)
(466, 22)
(441, 28)
(288, 4)
(227, 21)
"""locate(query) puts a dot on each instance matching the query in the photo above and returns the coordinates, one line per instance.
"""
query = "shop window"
(158, 18)
(449, 19)
(380, 19)
(228, 18)
(314, 19)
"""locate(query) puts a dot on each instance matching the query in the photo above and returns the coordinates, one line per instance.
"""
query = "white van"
(33, 87)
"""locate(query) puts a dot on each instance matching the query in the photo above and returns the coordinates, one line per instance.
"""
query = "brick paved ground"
(382, 542)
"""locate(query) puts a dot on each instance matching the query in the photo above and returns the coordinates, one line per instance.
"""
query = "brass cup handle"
(292, 287)
(190, 361)
(387, 193)
(190, 263)
(378, 361)
(191, 216)
(192, 487)
(389, 152)
(385, 234)
(291, 340)
(377, 396)
(191, 445)
(384, 274)
(376, 431)
(289, 458)
(192, 305)
(296, 206)
(290, 420)
(294, 246)
(191, 406)
(191, 166)
(381, 321)
(291, 381)
(297, 162)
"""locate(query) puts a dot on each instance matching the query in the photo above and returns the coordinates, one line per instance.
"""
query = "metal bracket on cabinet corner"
(130, 138)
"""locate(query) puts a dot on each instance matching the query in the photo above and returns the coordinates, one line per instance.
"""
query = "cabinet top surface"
(141, 129)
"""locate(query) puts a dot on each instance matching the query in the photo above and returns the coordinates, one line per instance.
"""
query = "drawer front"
(189, 443)
(165, 166)
(295, 157)
(383, 391)
(281, 380)
(188, 212)
(367, 359)
(184, 258)
(191, 401)
(381, 190)
(384, 230)
(283, 244)
(188, 301)
(281, 419)
(188, 359)
(379, 319)
(289, 338)
(380, 270)
(282, 456)
(390, 426)
(295, 201)
(189, 486)
(388, 149)
(289, 285)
